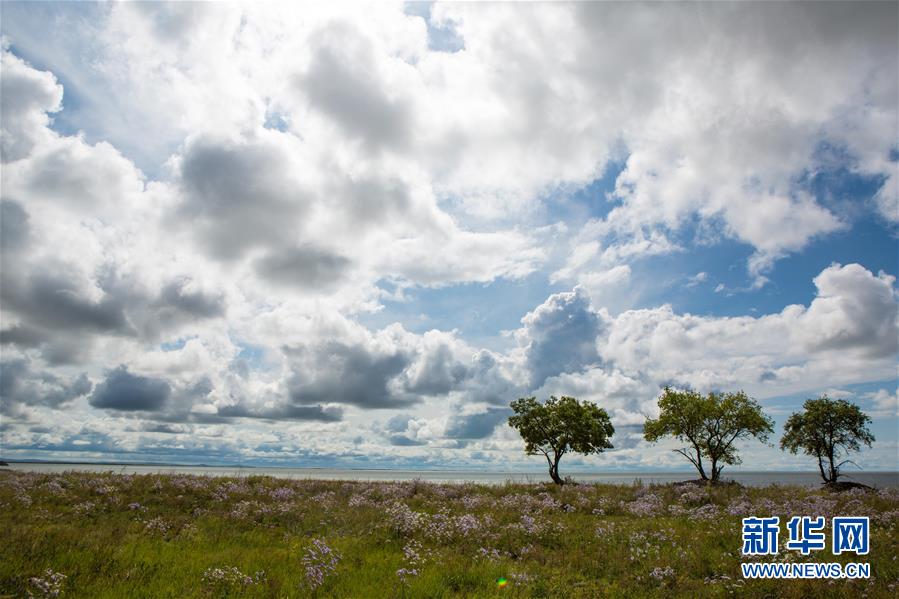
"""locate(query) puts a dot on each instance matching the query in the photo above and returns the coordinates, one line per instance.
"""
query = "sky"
(351, 235)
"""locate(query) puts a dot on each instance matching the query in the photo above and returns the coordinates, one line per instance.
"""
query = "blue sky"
(321, 236)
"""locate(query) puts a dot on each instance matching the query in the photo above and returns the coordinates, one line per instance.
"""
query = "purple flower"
(48, 585)
(320, 561)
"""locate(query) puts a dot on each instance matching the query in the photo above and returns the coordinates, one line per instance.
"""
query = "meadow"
(114, 535)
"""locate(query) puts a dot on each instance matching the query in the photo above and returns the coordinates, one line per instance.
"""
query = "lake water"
(754, 479)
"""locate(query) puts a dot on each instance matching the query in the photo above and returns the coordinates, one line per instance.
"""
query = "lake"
(753, 479)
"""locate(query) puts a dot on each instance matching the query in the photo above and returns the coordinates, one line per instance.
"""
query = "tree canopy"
(559, 426)
(711, 424)
(827, 429)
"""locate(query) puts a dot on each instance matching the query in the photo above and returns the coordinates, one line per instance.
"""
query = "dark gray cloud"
(14, 226)
(627, 436)
(342, 83)
(129, 392)
(438, 373)
(21, 386)
(334, 372)
(56, 317)
(367, 201)
(12, 373)
(165, 428)
(283, 412)
(562, 334)
(303, 267)
(52, 299)
(22, 336)
(476, 426)
(397, 432)
(193, 303)
(767, 376)
(237, 196)
(398, 423)
(488, 384)
(404, 441)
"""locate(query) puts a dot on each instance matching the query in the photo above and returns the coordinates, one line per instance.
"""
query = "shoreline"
(757, 479)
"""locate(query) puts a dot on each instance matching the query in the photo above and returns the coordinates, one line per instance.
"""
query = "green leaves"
(827, 429)
(710, 423)
(560, 426)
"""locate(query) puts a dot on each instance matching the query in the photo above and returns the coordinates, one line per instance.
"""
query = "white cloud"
(848, 333)
(884, 403)
(294, 158)
(700, 277)
(28, 96)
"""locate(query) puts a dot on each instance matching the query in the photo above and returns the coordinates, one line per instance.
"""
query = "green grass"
(584, 541)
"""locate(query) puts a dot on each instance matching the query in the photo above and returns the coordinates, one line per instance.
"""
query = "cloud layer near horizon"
(251, 185)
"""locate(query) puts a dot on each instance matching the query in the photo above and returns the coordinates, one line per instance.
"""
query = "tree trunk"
(554, 467)
(821, 468)
(699, 467)
(554, 473)
(714, 470)
(833, 470)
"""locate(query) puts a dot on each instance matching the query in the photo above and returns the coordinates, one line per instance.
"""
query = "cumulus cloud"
(179, 296)
(55, 300)
(28, 96)
(303, 267)
(22, 386)
(207, 266)
(854, 310)
(700, 277)
(560, 335)
(343, 82)
(346, 374)
(849, 328)
(477, 425)
(13, 226)
(122, 390)
(283, 412)
(241, 195)
(883, 403)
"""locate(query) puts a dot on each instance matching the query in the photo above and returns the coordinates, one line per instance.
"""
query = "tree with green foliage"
(827, 429)
(711, 424)
(559, 426)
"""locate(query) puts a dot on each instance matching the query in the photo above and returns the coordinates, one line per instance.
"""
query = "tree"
(559, 426)
(827, 429)
(711, 424)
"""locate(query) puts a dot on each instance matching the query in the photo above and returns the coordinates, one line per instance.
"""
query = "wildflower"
(473, 501)
(647, 505)
(84, 507)
(54, 488)
(467, 524)
(662, 573)
(489, 554)
(704, 512)
(320, 561)
(282, 493)
(359, 500)
(50, 585)
(405, 573)
(403, 520)
(522, 578)
(530, 525)
(157, 524)
(230, 576)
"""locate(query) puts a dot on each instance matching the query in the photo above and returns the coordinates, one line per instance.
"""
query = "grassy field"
(90, 535)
